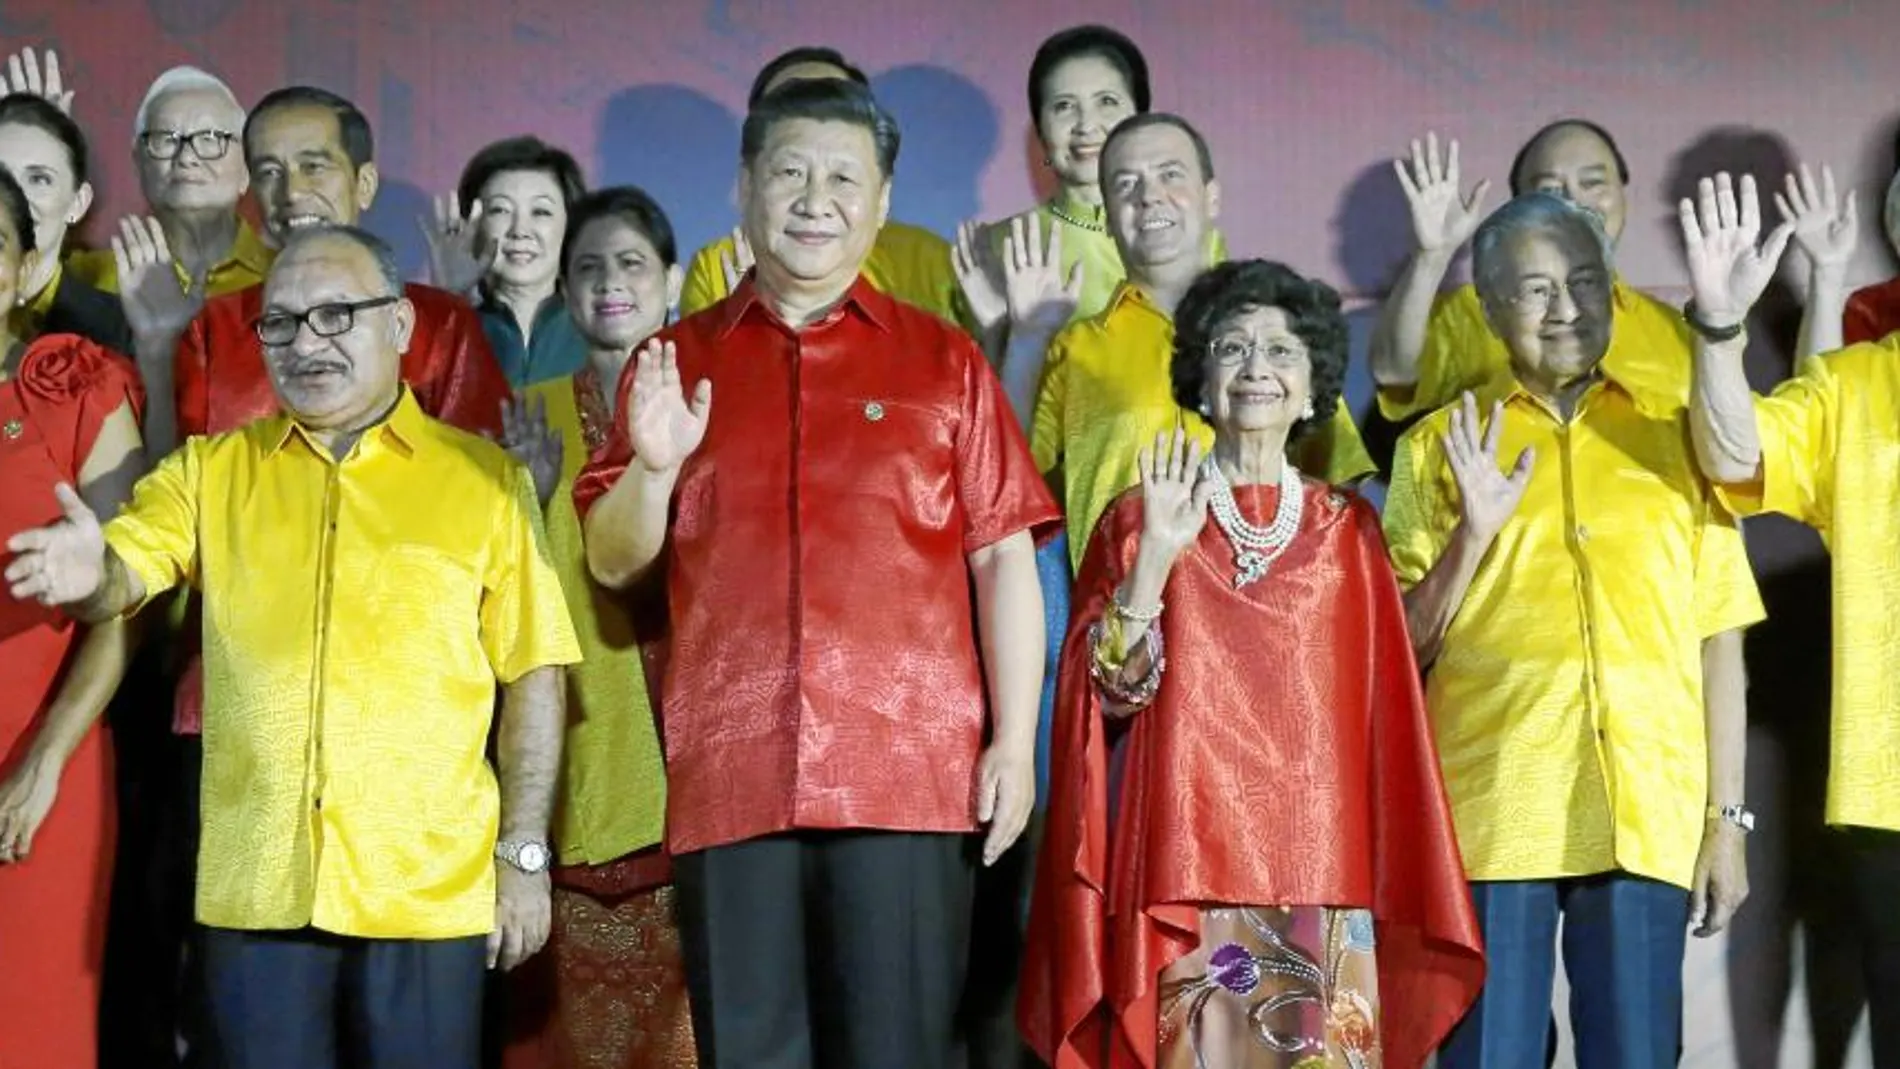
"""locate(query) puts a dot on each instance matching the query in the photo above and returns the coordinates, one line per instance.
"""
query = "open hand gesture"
(978, 276)
(733, 265)
(1726, 269)
(60, 563)
(457, 260)
(155, 301)
(1441, 221)
(1487, 495)
(1040, 299)
(664, 425)
(1174, 493)
(526, 435)
(1826, 227)
(24, 75)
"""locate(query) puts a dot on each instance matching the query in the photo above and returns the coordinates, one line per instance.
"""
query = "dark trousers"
(1876, 872)
(310, 1000)
(1623, 940)
(827, 950)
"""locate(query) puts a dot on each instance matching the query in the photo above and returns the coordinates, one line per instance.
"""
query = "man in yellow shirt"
(1097, 393)
(908, 262)
(1426, 349)
(1825, 450)
(370, 576)
(1580, 618)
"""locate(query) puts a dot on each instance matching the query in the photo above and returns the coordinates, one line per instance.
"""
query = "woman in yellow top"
(610, 989)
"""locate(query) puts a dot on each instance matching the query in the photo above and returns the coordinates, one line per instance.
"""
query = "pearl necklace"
(1081, 224)
(1255, 548)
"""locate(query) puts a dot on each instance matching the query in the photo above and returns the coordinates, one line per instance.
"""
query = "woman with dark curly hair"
(1249, 860)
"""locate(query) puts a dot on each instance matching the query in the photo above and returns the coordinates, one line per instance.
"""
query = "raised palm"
(1727, 269)
(1040, 299)
(1826, 227)
(457, 262)
(1487, 495)
(62, 562)
(664, 424)
(978, 276)
(154, 299)
(1441, 219)
(25, 75)
(1174, 493)
(526, 435)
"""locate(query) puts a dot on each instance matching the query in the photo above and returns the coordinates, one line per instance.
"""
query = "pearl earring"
(1307, 412)
(1206, 409)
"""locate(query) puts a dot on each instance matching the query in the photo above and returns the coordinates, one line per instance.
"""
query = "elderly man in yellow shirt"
(908, 262)
(1093, 396)
(1825, 450)
(1580, 618)
(370, 576)
(1426, 349)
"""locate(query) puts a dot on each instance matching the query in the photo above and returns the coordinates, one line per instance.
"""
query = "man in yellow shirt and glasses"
(370, 576)
(1579, 617)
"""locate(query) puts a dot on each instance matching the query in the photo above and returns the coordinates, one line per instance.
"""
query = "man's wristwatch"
(529, 857)
(1737, 814)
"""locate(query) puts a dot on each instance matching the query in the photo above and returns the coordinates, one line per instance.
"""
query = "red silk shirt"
(1873, 312)
(221, 382)
(822, 669)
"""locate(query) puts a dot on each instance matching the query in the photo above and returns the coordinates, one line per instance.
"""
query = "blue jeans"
(1052, 567)
(1623, 941)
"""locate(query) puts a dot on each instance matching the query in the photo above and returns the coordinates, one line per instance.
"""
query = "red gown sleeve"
(456, 379)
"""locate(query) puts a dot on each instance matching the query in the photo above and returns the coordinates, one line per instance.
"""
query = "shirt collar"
(1130, 298)
(862, 299)
(402, 429)
(250, 252)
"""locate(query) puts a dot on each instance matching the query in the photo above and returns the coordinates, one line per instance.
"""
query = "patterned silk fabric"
(1567, 698)
(1106, 393)
(358, 614)
(823, 666)
(222, 382)
(1649, 352)
(243, 267)
(908, 262)
(1873, 312)
(1830, 441)
(1286, 760)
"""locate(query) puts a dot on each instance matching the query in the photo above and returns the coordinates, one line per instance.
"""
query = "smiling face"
(618, 289)
(523, 218)
(40, 163)
(1574, 163)
(1160, 206)
(1083, 100)
(346, 381)
(1259, 373)
(188, 181)
(301, 172)
(1550, 305)
(814, 199)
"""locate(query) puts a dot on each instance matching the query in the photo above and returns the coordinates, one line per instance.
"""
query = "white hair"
(1529, 212)
(178, 80)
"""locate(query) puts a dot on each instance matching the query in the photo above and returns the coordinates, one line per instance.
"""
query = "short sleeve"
(72, 385)
(156, 533)
(1052, 398)
(705, 283)
(1419, 517)
(998, 486)
(456, 379)
(1460, 353)
(1798, 429)
(524, 618)
(1726, 597)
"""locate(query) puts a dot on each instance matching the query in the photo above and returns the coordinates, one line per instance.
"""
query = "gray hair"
(1544, 212)
(180, 80)
(379, 250)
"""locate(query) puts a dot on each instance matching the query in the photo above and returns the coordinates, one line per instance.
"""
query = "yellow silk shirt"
(908, 262)
(358, 615)
(1650, 348)
(1567, 696)
(1106, 393)
(1830, 445)
(613, 779)
(243, 267)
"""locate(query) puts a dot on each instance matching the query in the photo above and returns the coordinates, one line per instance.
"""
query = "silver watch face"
(531, 857)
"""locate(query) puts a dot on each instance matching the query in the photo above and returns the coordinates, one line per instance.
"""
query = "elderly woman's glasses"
(1236, 352)
(326, 320)
(205, 144)
(1535, 296)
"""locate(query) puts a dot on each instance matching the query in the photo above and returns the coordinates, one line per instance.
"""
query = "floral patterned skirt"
(1274, 988)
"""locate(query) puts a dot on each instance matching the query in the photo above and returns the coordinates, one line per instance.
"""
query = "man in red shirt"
(820, 529)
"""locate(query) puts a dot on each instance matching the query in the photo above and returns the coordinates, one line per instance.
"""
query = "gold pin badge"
(13, 429)
(873, 411)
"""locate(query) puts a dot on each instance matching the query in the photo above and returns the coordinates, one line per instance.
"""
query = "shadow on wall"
(682, 147)
(950, 132)
(396, 216)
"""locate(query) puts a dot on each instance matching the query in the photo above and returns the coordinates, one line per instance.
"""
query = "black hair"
(822, 101)
(28, 109)
(803, 54)
(379, 250)
(630, 205)
(1225, 291)
(1523, 153)
(1162, 118)
(1100, 42)
(521, 154)
(359, 144)
(13, 200)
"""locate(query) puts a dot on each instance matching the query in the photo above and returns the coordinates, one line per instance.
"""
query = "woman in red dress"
(68, 418)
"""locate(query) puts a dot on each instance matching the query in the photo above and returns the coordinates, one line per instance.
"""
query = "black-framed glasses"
(205, 144)
(326, 320)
